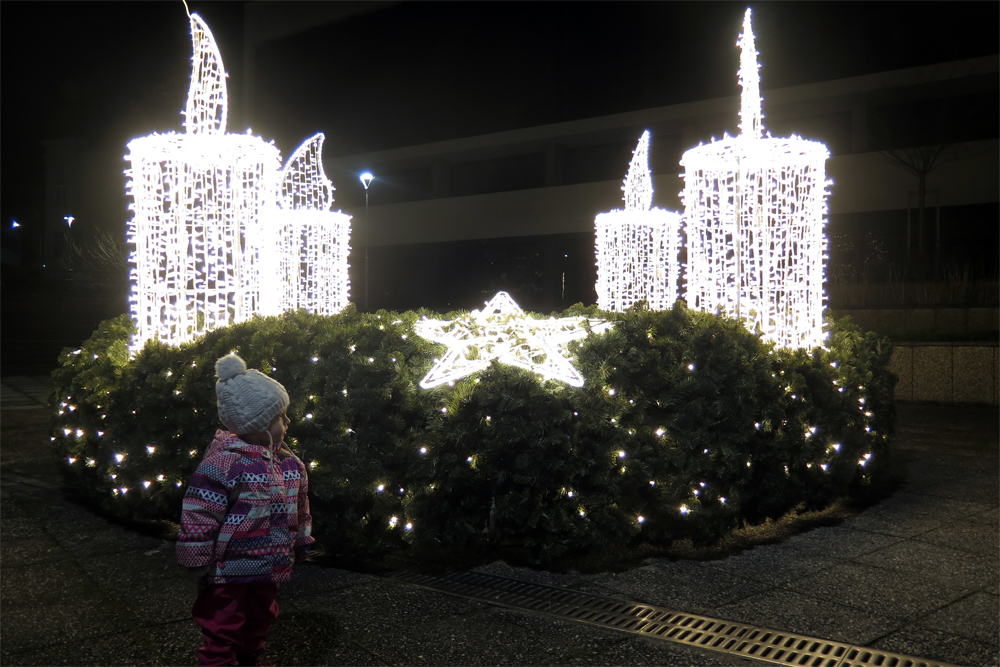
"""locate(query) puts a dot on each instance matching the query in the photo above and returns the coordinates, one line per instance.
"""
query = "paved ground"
(915, 574)
(19, 392)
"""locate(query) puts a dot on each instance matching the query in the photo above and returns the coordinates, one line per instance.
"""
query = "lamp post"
(366, 180)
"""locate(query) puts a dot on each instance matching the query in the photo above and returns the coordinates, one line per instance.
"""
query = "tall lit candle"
(755, 209)
(197, 199)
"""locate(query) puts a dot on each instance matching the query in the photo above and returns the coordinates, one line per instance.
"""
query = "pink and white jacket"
(245, 512)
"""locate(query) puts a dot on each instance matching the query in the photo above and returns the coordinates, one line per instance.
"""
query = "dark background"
(106, 72)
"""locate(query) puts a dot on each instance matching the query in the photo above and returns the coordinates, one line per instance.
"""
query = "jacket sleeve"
(304, 538)
(206, 503)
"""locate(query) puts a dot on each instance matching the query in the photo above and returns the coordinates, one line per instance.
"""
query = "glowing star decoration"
(312, 241)
(198, 200)
(637, 247)
(754, 212)
(503, 332)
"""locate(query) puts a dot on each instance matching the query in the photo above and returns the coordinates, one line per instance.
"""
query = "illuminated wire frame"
(637, 247)
(312, 240)
(198, 198)
(502, 331)
(755, 208)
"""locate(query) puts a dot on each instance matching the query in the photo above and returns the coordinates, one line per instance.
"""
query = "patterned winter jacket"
(245, 511)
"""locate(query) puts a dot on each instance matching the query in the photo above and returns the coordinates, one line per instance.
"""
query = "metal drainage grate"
(747, 641)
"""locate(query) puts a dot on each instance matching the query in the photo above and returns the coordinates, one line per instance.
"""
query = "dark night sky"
(106, 72)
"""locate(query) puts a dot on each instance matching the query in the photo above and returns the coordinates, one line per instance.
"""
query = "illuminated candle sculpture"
(311, 240)
(198, 198)
(637, 247)
(754, 212)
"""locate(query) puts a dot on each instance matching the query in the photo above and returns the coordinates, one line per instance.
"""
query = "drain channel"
(747, 641)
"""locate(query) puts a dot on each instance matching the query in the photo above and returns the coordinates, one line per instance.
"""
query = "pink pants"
(235, 619)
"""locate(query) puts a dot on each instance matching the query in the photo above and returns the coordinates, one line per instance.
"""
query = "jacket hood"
(227, 441)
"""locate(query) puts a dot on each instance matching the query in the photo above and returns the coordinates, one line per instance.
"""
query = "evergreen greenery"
(686, 419)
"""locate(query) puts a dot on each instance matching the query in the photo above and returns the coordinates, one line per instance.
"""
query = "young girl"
(245, 517)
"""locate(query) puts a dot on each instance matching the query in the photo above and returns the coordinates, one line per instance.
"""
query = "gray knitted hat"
(248, 400)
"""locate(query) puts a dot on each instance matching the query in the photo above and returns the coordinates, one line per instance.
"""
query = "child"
(245, 517)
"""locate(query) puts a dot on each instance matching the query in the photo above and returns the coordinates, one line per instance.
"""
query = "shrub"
(688, 426)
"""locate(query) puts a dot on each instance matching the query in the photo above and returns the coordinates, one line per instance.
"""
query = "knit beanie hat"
(248, 400)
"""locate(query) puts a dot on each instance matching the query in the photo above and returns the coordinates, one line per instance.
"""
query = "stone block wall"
(907, 320)
(947, 372)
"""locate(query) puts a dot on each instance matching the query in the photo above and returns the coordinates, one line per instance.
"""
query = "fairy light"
(637, 246)
(755, 208)
(502, 331)
(198, 200)
(312, 241)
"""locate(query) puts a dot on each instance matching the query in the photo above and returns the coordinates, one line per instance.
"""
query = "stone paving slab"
(792, 611)
(879, 592)
(935, 645)
(960, 569)
(683, 585)
(128, 648)
(21, 391)
(492, 637)
(974, 616)
(884, 520)
(773, 564)
(840, 542)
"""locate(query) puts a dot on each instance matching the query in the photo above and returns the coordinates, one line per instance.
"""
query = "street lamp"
(366, 180)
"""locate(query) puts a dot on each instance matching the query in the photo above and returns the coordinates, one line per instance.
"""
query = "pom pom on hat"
(248, 399)
(229, 367)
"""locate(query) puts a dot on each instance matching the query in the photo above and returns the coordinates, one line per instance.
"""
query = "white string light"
(755, 208)
(503, 332)
(637, 246)
(198, 197)
(312, 240)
